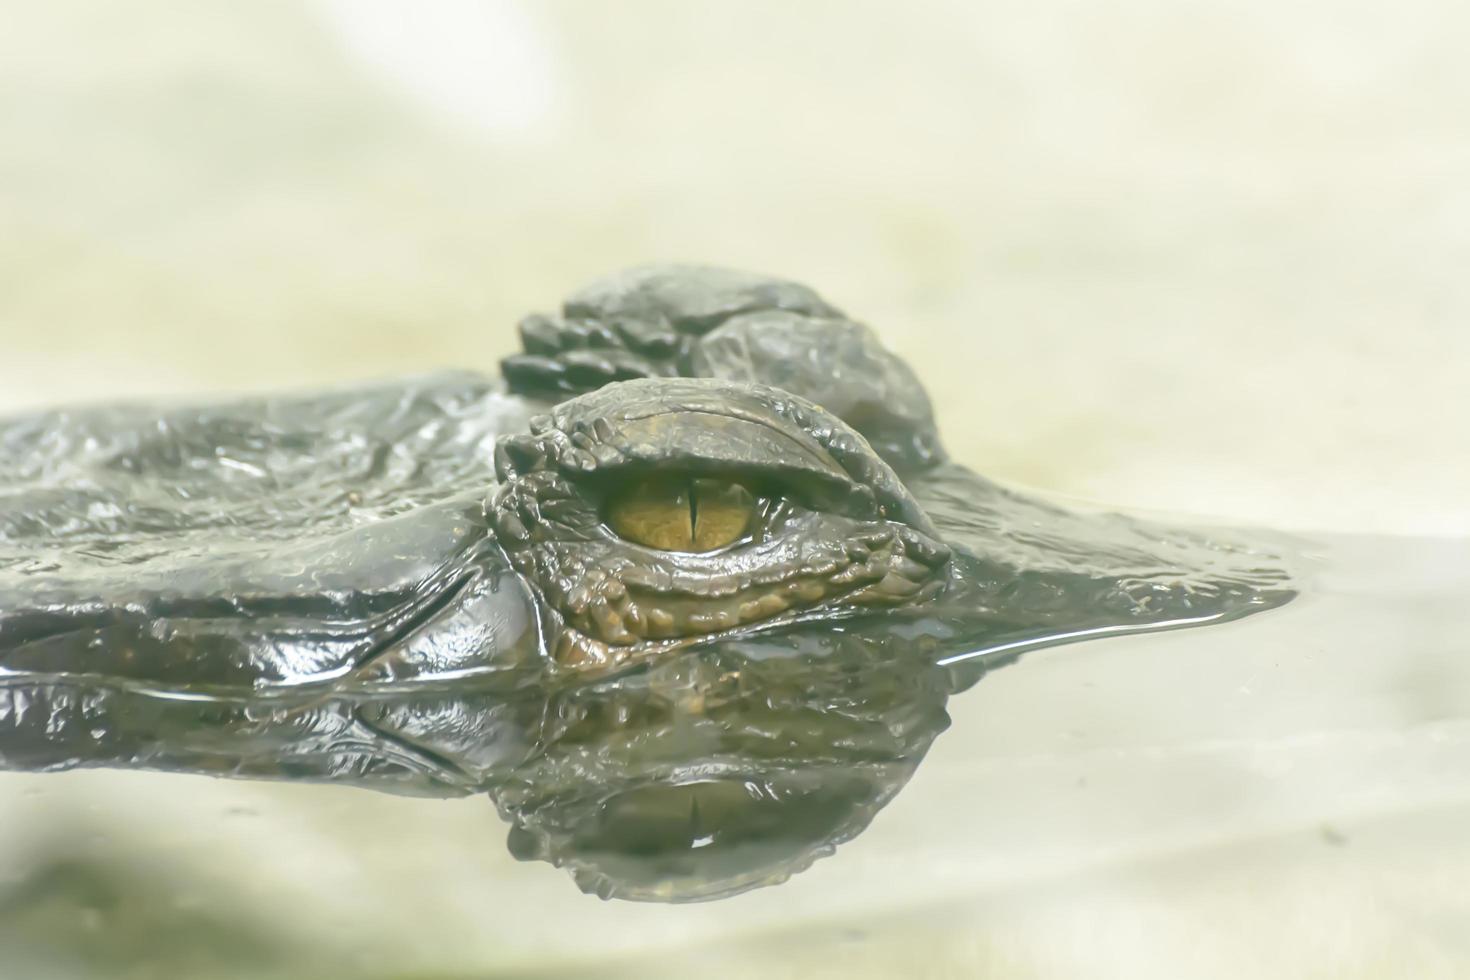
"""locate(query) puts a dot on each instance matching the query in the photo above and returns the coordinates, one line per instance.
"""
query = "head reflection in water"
(720, 770)
(699, 632)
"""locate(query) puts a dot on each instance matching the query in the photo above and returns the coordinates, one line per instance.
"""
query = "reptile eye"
(682, 514)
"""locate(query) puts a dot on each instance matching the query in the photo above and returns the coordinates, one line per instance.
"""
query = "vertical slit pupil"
(694, 510)
(682, 513)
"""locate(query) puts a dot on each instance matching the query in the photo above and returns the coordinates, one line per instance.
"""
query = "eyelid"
(762, 480)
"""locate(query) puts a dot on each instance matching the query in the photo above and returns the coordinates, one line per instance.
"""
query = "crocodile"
(684, 591)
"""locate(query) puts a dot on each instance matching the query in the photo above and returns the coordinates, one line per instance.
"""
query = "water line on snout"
(1054, 639)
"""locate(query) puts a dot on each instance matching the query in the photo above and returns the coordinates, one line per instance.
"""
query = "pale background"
(1197, 257)
(1201, 257)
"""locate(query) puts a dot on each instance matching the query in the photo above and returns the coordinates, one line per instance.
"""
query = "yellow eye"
(680, 514)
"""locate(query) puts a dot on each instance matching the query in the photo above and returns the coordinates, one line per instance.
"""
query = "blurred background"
(1201, 257)
(1205, 258)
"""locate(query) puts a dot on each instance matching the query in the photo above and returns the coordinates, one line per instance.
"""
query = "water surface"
(1300, 778)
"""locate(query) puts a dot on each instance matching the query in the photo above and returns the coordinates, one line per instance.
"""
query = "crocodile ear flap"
(517, 455)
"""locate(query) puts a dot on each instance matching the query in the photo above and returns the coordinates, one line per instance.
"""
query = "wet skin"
(685, 594)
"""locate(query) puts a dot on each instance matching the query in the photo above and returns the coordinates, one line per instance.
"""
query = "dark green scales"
(685, 593)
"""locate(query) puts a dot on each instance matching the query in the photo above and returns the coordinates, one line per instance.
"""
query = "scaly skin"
(417, 587)
(837, 529)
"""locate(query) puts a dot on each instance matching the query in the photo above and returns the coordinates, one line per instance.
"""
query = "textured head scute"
(673, 421)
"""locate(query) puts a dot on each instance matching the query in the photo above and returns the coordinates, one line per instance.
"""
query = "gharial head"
(749, 620)
(701, 628)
